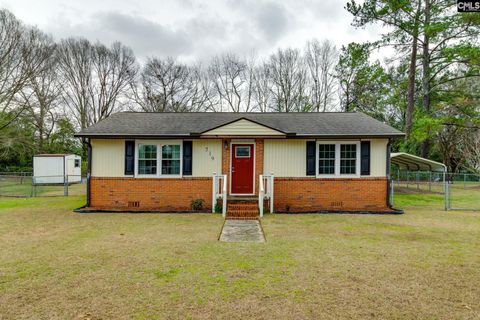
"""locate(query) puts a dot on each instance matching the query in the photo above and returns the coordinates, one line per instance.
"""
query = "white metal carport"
(411, 162)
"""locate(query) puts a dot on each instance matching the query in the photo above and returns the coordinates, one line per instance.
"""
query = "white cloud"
(194, 29)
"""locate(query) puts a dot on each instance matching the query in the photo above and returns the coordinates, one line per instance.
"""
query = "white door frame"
(230, 168)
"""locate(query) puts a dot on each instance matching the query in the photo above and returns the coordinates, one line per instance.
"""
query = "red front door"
(242, 168)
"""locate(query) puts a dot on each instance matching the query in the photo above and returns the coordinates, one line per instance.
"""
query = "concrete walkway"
(242, 231)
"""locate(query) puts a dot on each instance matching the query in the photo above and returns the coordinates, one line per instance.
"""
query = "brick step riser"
(243, 208)
(242, 215)
(243, 204)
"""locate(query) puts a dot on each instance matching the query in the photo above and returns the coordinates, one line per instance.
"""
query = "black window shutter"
(187, 158)
(311, 165)
(129, 157)
(365, 158)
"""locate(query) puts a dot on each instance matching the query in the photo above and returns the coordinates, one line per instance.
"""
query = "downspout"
(89, 168)
(389, 147)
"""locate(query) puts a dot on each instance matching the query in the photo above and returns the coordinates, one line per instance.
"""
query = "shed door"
(70, 166)
(242, 169)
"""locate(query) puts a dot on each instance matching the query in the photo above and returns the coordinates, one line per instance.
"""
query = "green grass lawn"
(16, 187)
(54, 263)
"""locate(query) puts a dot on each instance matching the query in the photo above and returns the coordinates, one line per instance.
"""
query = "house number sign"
(207, 150)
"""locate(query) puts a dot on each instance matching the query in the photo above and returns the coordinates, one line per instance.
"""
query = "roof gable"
(242, 127)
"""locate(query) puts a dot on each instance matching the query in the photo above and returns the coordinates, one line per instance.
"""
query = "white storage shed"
(55, 168)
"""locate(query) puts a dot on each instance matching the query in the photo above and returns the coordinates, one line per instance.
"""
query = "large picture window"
(171, 159)
(348, 159)
(147, 159)
(326, 159)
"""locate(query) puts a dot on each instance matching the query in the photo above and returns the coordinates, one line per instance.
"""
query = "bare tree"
(472, 149)
(114, 69)
(321, 59)
(232, 81)
(166, 85)
(262, 88)
(19, 62)
(96, 79)
(40, 97)
(288, 77)
(76, 66)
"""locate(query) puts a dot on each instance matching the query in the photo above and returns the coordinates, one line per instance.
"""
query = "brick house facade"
(132, 172)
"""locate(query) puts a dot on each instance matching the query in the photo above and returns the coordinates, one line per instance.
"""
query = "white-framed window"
(158, 158)
(338, 159)
(77, 163)
(147, 159)
(171, 159)
(326, 159)
(348, 158)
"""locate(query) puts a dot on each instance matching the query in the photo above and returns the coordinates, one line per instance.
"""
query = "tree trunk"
(411, 78)
(425, 147)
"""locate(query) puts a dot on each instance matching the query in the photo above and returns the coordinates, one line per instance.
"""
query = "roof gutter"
(291, 135)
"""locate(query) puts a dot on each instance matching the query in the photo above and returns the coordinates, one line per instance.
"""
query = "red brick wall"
(172, 194)
(312, 194)
(258, 161)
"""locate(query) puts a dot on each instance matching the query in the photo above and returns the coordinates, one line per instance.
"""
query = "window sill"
(155, 176)
(333, 176)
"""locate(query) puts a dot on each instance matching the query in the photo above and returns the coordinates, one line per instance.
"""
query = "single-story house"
(297, 162)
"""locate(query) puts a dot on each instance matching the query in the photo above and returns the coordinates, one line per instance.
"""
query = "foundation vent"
(336, 204)
(133, 204)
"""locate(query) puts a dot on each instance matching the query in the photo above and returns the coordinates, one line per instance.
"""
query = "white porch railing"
(265, 191)
(219, 191)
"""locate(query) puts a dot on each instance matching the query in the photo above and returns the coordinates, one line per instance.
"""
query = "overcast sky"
(193, 30)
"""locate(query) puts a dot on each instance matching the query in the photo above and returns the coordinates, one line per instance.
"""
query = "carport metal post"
(417, 177)
(408, 177)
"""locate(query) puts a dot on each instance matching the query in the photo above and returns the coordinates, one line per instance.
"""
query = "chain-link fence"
(463, 190)
(24, 185)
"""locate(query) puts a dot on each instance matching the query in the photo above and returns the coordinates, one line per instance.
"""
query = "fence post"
(65, 185)
(417, 177)
(464, 180)
(408, 178)
(33, 186)
(398, 177)
(430, 181)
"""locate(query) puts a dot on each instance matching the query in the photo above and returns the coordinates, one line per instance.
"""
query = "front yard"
(58, 264)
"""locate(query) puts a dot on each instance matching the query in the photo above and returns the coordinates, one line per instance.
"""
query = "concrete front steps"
(242, 208)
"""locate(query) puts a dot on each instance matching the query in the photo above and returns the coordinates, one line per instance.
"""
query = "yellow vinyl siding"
(285, 158)
(378, 157)
(108, 157)
(207, 157)
(243, 128)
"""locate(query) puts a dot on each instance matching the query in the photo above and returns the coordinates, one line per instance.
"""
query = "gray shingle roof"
(142, 124)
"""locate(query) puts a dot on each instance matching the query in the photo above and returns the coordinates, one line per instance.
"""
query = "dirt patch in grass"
(56, 264)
